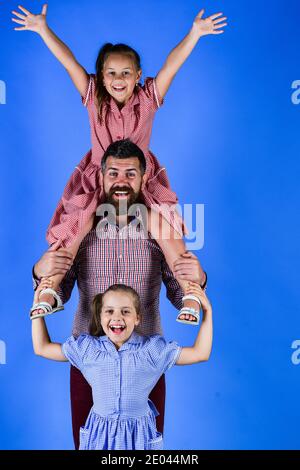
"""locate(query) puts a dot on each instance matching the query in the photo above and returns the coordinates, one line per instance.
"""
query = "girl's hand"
(45, 282)
(196, 290)
(211, 25)
(29, 21)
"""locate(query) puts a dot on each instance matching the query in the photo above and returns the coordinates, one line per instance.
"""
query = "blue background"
(229, 137)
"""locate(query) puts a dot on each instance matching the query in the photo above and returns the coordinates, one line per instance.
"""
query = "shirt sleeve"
(67, 284)
(76, 349)
(174, 291)
(151, 94)
(35, 280)
(89, 94)
(163, 354)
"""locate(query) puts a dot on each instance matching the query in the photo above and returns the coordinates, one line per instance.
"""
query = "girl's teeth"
(117, 329)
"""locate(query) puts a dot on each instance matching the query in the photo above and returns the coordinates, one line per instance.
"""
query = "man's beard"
(121, 206)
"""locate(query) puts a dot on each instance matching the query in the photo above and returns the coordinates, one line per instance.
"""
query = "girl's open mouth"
(117, 329)
(118, 89)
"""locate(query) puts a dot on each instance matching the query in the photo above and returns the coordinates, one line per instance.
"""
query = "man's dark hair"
(124, 149)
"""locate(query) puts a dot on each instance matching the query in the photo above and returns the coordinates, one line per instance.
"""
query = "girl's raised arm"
(41, 341)
(201, 27)
(38, 24)
(42, 344)
(201, 350)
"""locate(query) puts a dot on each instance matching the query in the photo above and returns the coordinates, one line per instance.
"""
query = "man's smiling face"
(122, 181)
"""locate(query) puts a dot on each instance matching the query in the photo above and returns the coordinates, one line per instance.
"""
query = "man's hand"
(188, 268)
(53, 262)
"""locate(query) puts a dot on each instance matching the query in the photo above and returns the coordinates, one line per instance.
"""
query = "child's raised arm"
(38, 24)
(202, 347)
(201, 27)
(41, 341)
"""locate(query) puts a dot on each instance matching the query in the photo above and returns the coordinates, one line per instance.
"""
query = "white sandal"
(45, 306)
(189, 311)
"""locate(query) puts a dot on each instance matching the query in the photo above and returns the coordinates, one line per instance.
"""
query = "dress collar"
(133, 100)
(135, 338)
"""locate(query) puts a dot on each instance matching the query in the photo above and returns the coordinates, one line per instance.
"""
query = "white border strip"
(88, 92)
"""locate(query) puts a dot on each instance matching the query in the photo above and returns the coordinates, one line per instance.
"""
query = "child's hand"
(196, 290)
(29, 21)
(45, 282)
(209, 25)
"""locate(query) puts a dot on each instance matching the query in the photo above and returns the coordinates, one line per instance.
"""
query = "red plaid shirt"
(120, 255)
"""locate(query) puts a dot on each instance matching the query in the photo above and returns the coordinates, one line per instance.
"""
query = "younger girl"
(122, 367)
(119, 107)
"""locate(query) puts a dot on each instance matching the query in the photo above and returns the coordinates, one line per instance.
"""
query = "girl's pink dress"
(84, 192)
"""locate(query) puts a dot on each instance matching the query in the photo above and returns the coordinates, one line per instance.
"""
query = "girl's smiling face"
(120, 76)
(118, 317)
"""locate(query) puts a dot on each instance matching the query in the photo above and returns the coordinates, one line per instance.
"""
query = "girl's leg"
(56, 280)
(172, 246)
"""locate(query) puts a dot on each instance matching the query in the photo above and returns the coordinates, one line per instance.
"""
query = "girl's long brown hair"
(95, 328)
(104, 52)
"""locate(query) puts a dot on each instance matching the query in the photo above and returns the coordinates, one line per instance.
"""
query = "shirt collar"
(104, 219)
(133, 100)
(135, 338)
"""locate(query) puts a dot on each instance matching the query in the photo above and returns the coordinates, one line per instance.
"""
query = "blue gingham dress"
(122, 416)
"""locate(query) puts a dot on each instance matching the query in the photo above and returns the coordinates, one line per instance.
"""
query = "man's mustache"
(120, 188)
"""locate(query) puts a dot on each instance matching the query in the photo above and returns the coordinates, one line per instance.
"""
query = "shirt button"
(120, 280)
(121, 256)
